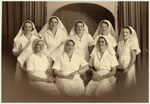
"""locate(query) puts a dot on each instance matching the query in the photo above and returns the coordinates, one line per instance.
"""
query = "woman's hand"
(50, 79)
(96, 77)
(125, 70)
(73, 73)
(69, 77)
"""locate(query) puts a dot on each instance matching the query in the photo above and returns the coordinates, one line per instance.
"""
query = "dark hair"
(102, 38)
(127, 27)
(25, 23)
(53, 18)
(105, 23)
(70, 40)
(79, 22)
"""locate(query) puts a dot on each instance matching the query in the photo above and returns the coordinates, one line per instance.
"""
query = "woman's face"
(39, 46)
(69, 46)
(53, 23)
(104, 28)
(79, 28)
(125, 33)
(28, 27)
(101, 43)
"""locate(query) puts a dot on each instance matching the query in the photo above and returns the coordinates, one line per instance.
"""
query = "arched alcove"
(92, 14)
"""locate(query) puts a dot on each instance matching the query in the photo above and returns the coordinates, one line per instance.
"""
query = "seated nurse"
(37, 66)
(67, 68)
(103, 64)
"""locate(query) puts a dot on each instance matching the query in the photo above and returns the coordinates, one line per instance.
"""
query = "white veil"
(109, 48)
(34, 32)
(24, 54)
(110, 31)
(133, 36)
(46, 26)
(72, 32)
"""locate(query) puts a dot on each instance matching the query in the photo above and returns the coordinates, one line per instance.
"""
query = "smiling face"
(70, 46)
(125, 33)
(104, 28)
(79, 27)
(101, 43)
(28, 27)
(53, 22)
(39, 47)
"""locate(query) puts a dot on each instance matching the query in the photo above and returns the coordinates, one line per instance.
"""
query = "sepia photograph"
(75, 51)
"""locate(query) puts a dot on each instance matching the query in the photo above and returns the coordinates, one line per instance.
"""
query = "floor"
(23, 93)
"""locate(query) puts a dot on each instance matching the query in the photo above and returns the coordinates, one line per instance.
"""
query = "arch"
(92, 14)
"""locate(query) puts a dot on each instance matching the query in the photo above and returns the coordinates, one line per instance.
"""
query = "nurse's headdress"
(21, 31)
(35, 42)
(133, 37)
(85, 30)
(68, 41)
(61, 50)
(46, 26)
(109, 47)
(110, 29)
(28, 51)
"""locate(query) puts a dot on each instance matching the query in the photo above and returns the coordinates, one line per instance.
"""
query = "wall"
(111, 6)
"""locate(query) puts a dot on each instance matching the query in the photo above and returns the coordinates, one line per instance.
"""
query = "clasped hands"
(71, 75)
(50, 79)
(124, 70)
(97, 77)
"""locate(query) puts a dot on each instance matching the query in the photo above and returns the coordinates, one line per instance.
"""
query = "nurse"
(37, 66)
(105, 28)
(54, 34)
(83, 40)
(128, 48)
(25, 36)
(23, 47)
(103, 64)
(67, 68)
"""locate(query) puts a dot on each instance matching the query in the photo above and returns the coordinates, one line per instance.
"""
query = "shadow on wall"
(91, 14)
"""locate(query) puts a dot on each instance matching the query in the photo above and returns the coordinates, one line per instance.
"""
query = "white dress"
(70, 87)
(54, 43)
(124, 52)
(103, 66)
(38, 66)
(83, 44)
(22, 43)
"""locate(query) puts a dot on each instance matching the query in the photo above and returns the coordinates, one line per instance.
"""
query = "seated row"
(67, 68)
(103, 60)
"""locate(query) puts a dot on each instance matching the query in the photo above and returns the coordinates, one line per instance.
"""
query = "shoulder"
(31, 57)
(61, 56)
(109, 53)
(78, 56)
(35, 36)
(87, 34)
(21, 38)
(131, 41)
(44, 56)
(47, 32)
